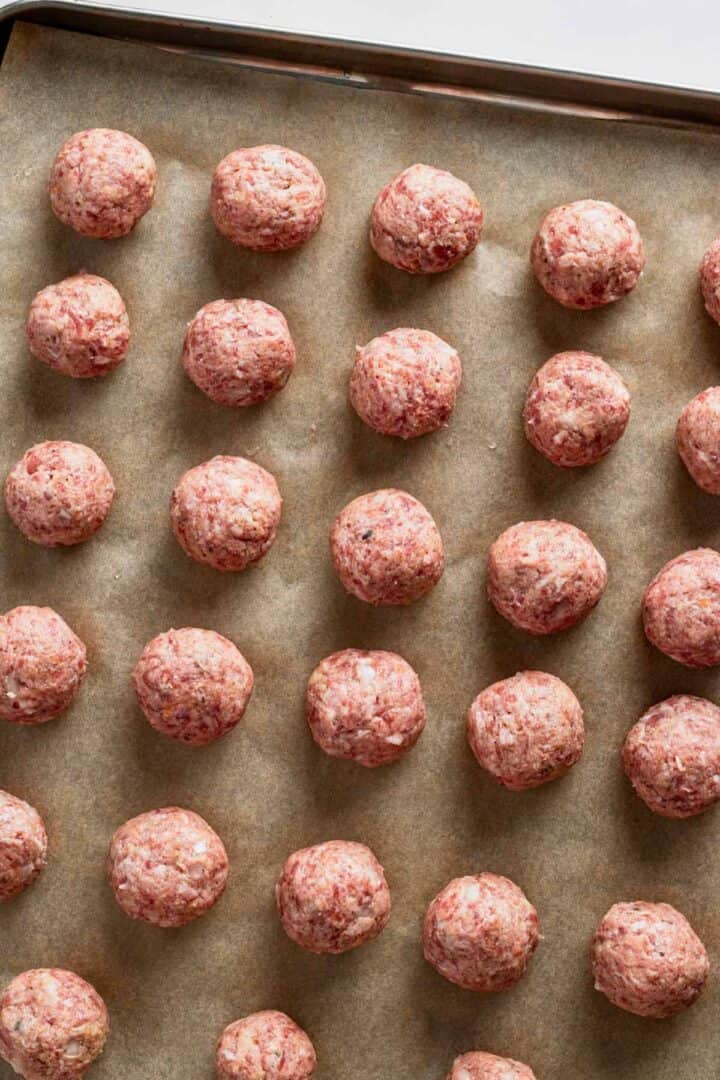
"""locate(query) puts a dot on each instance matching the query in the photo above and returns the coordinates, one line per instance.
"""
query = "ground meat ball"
(681, 609)
(53, 1024)
(59, 493)
(710, 280)
(265, 1046)
(365, 706)
(333, 897)
(544, 576)
(647, 959)
(42, 664)
(672, 756)
(386, 548)
(479, 1066)
(425, 220)
(102, 182)
(167, 867)
(225, 513)
(587, 253)
(267, 198)
(576, 409)
(526, 730)
(193, 685)
(405, 382)
(481, 932)
(698, 439)
(79, 327)
(23, 845)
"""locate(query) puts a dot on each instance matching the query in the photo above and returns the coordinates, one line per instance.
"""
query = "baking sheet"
(575, 846)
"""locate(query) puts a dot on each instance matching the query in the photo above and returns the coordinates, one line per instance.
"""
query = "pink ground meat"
(710, 280)
(102, 182)
(265, 1046)
(167, 867)
(672, 756)
(587, 253)
(193, 685)
(576, 409)
(59, 493)
(425, 220)
(333, 897)
(267, 198)
(53, 1024)
(480, 932)
(545, 576)
(386, 548)
(698, 439)
(681, 609)
(526, 730)
(647, 959)
(42, 665)
(480, 1066)
(405, 382)
(79, 327)
(226, 512)
(365, 706)
(23, 845)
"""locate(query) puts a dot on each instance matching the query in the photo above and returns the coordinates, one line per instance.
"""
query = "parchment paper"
(575, 846)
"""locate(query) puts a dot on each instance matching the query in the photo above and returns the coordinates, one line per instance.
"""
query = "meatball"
(425, 220)
(405, 382)
(267, 198)
(647, 959)
(698, 439)
(576, 409)
(681, 609)
(226, 512)
(102, 182)
(672, 756)
(333, 897)
(526, 730)
(480, 932)
(544, 576)
(386, 548)
(59, 493)
(193, 685)
(265, 1046)
(23, 845)
(587, 254)
(42, 665)
(710, 280)
(479, 1066)
(53, 1024)
(79, 327)
(365, 706)
(167, 867)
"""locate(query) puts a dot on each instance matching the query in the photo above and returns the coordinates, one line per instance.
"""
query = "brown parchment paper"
(575, 846)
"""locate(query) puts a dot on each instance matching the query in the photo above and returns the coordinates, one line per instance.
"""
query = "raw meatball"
(265, 1046)
(53, 1024)
(698, 439)
(333, 897)
(225, 513)
(386, 548)
(672, 756)
(526, 730)
(59, 493)
(42, 665)
(576, 409)
(365, 706)
(479, 1066)
(267, 198)
(102, 182)
(193, 685)
(23, 845)
(167, 867)
(681, 609)
(79, 327)
(239, 352)
(587, 253)
(647, 959)
(425, 220)
(710, 280)
(544, 576)
(405, 382)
